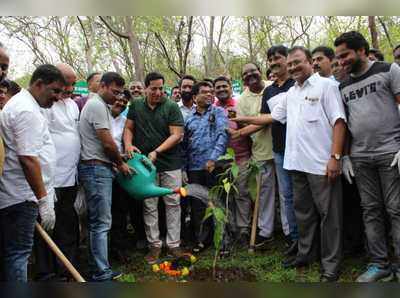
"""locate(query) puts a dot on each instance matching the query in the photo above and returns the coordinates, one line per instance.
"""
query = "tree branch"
(113, 30)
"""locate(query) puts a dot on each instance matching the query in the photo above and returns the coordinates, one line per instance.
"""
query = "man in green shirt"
(155, 127)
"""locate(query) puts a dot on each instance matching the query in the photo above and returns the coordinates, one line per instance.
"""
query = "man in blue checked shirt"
(205, 140)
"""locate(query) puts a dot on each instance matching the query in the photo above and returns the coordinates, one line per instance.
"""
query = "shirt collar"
(28, 94)
(194, 112)
(229, 103)
(163, 99)
(312, 80)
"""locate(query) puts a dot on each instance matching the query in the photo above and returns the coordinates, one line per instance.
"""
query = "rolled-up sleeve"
(28, 134)
(279, 112)
(332, 104)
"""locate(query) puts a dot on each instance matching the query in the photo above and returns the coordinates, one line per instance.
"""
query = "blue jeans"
(286, 192)
(97, 183)
(17, 224)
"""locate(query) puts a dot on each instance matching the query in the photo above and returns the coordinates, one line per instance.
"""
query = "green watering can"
(142, 183)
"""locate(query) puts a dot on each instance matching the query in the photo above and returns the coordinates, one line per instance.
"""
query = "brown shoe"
(153, 255)
(175, 252)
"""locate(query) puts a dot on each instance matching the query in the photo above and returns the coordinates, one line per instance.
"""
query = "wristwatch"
(336, 156)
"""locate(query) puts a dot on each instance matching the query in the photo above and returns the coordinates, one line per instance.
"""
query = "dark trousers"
(122, 205)
(353, 228)
(17, 224)
(379, 186)
(65, 235)
(202, 231)
(318, 210)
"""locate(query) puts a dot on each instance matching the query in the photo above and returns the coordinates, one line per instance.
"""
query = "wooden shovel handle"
(75, 274)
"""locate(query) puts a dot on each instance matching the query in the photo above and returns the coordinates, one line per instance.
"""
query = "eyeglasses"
(117, 93)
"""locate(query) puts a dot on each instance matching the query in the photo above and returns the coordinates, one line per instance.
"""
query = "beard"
(186, 96)
(356, 66)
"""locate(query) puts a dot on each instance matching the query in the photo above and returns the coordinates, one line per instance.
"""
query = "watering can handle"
(148, 164)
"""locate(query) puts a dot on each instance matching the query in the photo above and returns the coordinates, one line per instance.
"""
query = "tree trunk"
(135, 49)
(373, 31)
(210, 48)
(249, 39)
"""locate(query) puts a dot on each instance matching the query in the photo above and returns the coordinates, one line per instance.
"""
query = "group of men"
(326, 113)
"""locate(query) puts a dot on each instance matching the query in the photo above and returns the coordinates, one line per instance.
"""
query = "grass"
(262, 266)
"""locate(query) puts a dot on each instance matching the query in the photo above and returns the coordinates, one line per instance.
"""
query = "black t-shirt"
(278, 129)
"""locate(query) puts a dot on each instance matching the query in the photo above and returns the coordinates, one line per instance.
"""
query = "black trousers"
(201, 231)
(65, 235)
(122, 205)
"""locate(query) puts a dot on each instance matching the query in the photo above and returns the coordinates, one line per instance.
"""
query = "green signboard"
(237, 87)
(81, 88)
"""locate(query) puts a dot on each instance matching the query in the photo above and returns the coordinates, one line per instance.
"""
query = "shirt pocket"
(311, 111)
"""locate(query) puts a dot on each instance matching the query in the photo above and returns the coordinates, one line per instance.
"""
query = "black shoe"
(263, 242)
(292, 250)
(294, 262)
(328, 278)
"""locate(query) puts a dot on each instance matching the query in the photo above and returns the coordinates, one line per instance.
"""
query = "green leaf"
(209, 212)
(235, 170)
(227, 187)
(252, 185)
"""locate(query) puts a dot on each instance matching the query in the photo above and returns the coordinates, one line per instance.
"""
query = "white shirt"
(25, 133)
(310, 112)
(63, 119)
(117, 129)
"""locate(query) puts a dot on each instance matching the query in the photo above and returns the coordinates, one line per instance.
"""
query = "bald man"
(4, 62)
(63, 125)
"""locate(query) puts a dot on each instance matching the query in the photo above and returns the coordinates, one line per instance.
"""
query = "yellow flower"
(193, 259)
(155, 268)
(184, 271)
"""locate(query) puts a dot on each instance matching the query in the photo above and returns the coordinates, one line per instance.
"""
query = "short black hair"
(396, 47)
(187, 77)
(175, 87)
(222, 78)
(303, 49)
(48, 74)
(327, 51)
(278, 49)
(91, 75)
(13, 87)
(153, 76)
(127, 94)
(210, 81)
(354, 40)
(377, 53)
(197, 86)
(255, 64)
(112, 77)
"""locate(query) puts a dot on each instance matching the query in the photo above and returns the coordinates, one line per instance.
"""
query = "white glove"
(396, 161)
(347, 168)
(46, 212)
(185, 179)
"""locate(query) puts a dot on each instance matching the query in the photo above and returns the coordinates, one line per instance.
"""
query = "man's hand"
(153, 156)
(125, 169)
(396, 161)
(46, 212)
(347, 168)
(210, 166)
(234, 133)
(333, 169)
(240, 119)
(130, 150)
(185, 179)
